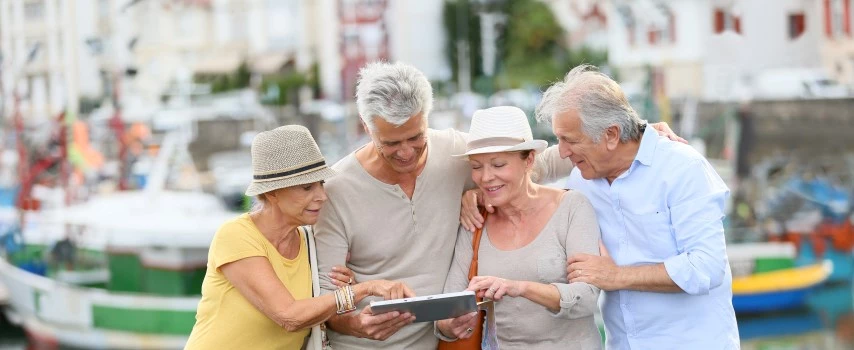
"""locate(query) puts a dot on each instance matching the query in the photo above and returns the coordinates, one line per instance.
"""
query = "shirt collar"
(646, 151)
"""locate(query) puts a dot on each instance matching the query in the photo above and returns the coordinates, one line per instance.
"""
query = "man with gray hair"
(395, 205)
(660, 208)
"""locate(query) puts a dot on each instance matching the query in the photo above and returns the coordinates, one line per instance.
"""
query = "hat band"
(288, 173)
(493, 141)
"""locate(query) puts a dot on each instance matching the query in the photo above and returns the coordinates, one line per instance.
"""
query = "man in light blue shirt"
(660, 207)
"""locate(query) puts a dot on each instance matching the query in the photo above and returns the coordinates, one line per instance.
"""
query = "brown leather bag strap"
(475, 243)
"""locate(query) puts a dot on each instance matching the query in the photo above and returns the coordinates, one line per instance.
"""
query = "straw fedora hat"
(283, 157)
(500, 129)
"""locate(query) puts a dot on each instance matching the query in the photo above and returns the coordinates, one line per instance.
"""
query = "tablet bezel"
(430, 307)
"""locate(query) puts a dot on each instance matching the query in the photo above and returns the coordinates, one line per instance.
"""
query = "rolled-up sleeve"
(696, 214)
(579, 299)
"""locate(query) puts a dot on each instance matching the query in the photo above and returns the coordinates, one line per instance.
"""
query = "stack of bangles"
(345, 299)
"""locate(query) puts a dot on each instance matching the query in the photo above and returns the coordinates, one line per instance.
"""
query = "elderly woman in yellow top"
(257, 293)
(524, 245)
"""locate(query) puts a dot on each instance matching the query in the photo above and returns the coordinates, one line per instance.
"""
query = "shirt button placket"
(414, 220)
(618, 209)
(627, 319)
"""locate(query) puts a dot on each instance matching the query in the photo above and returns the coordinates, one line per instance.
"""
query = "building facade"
(42, 54)
(351, 33)
(175, 40)
(717, 49)
(837, 38)
(585, 22)
(145, 48)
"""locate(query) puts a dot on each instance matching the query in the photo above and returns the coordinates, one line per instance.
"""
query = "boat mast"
(118, 126)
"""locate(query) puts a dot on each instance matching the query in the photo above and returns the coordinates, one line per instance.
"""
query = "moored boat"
(778, 290)
(134, 279)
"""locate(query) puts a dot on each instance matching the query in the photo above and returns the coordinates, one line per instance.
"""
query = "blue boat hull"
(773, 301)
(779, 325)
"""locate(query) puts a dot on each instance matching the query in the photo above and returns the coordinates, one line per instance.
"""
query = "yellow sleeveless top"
(225, 319)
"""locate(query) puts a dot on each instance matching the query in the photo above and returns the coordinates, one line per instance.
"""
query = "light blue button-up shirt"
(667, 208)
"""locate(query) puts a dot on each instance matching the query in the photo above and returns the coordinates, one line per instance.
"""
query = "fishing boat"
(765, 277)
(778, 290)
(134, 282)
(120, 271)
(810, 207)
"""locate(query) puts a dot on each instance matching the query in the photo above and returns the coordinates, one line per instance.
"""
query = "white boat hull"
(52, 311)
(4, 295)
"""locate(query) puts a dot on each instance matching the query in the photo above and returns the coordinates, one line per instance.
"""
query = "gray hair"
(258, 203)
(392, 91)
(599, 101)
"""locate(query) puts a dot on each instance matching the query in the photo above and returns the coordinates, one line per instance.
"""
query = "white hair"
(599, 101)
(392, 91)
(257, 204)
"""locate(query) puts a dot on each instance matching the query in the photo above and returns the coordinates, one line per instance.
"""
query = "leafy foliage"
(456, 14)
(532, 47)
(282, 89)
(227, 82)
(532, 52)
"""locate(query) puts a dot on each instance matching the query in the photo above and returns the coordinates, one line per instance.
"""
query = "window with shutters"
(846, 17)
(660, 34)
(724, 20)
(626, 14)
(797, 25)
(849, 30)
(837, 17)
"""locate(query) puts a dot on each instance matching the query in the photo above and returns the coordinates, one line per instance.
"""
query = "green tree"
(243, 76)
(460, 19)
(238, 79)
(531, 47)
(284, 87)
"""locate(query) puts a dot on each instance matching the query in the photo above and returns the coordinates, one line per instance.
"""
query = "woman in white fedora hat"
(262, 271)
(525, 243)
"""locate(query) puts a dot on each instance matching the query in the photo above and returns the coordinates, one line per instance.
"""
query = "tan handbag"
(473, 342)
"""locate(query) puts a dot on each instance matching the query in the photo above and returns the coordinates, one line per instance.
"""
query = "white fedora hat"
(500, 129)
(283, 157)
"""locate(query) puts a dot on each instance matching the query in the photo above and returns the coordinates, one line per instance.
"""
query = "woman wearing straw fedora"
(535, 227)
(262, 270)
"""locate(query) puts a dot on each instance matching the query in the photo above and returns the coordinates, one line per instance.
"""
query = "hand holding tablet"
(430, 308)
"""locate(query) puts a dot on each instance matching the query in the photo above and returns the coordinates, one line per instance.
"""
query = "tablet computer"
(430, 307)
